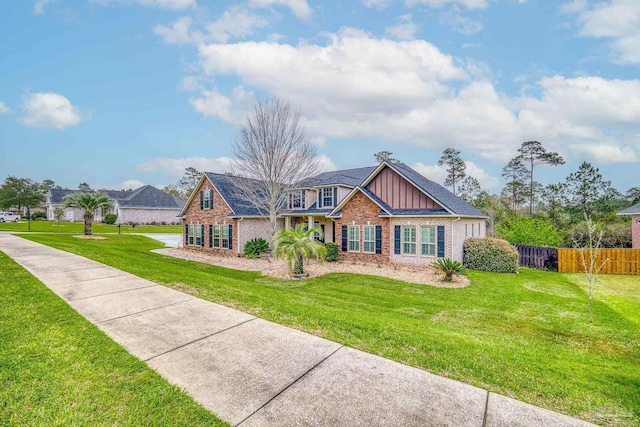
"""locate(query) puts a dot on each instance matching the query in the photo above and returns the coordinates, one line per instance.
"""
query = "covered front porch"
(326, 225)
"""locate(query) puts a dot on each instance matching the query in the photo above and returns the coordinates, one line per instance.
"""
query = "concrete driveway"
(252, 372)
(171, 240)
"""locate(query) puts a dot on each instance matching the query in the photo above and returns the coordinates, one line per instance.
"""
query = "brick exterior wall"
(360, 210)
(218, 215)
(146, 216)
(635, 231)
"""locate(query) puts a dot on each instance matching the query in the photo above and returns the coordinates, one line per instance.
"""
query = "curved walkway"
(251, 372)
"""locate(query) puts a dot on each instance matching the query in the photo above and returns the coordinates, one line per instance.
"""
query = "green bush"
(531, 231)
(333, 254)
(110, 218)
(488, 254)
(254, 247)
(38, 216)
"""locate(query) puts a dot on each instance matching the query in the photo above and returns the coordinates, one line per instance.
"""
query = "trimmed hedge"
(333, 254)
(110, 218)
(38, 216)
(489, 254)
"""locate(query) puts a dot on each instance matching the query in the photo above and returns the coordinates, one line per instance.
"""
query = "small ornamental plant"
(449, 267)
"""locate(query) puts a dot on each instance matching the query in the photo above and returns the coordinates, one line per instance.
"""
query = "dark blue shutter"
(396, 239)
(303, 206)
(335, 196)
(441, 241)
(378, 239)
(202, 236)
(210, 236)
(201, 199)
(186, 234)
(319, 198)
(211, 199)
(344, 238)
(230, 236)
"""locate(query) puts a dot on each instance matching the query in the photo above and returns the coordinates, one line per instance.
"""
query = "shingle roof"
(633, 210)
(232, 194)
(348, 177)
(437, 192)
(144, 197)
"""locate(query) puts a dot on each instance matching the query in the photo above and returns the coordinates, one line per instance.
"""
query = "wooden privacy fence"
(539, 257)
(618, 261)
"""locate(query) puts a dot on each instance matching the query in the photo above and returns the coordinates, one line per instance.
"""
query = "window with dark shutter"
(344, 238)
(396, 239)
(441, 241)
(378, 239)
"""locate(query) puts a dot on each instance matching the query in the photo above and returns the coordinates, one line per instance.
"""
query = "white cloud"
(49, 111)
(175, 167)
(404, 29)
(358, 86)
(608, 152)
(235, 22)
(3, 108)
(129, 184)
(300, 8)
(326, 164)
(439, 174)
(615, 20)
(163, 4)
(469, 4)
(460, 23)
(378, 4)
(39, 5)
(177, 32)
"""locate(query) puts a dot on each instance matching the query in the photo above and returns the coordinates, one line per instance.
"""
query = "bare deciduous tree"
(274, 152)
(590, 258)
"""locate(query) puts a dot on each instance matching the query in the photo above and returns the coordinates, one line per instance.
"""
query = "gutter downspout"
(239, 219)
(451, 236)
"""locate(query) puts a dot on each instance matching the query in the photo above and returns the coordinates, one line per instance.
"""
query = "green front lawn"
(56, 368)
(78, 227)
(522, 335)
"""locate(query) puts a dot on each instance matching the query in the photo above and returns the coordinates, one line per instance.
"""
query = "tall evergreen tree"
(455, 168)
(585, 187)
(515, 172)
(533, 154)
(381, 156)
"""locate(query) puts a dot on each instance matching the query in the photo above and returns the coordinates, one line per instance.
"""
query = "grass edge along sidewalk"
(56, 368)
(523, 335)
(77, 227)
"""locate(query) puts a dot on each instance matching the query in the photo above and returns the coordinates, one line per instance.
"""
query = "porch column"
(287, 222)
(311, 225)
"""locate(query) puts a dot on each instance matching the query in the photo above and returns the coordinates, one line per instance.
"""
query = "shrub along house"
(388, 213)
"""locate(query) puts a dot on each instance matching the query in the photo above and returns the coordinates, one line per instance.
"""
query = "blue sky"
(119, 93)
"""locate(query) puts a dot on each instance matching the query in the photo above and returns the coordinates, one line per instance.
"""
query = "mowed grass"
(78, 227)
(523, 335)
(57, 369)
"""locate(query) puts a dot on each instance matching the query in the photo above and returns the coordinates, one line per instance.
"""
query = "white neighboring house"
(144, 205)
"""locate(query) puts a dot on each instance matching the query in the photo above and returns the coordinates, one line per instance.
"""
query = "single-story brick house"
(634, 211)
(144, 205)
(386, 213)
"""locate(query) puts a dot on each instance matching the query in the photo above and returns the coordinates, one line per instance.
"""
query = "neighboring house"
(144, 205)
(388, 213)
(634, 211)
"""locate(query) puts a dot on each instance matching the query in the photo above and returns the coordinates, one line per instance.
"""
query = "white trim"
(369, 241)
(349, 240)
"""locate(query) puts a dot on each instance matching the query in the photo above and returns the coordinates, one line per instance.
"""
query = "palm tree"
(449, 267)
(88, 203)
(296, 245)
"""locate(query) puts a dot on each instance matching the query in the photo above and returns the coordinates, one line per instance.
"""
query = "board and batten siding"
(398, 193)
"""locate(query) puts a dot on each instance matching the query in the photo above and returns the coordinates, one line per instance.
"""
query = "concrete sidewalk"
(251, 372)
